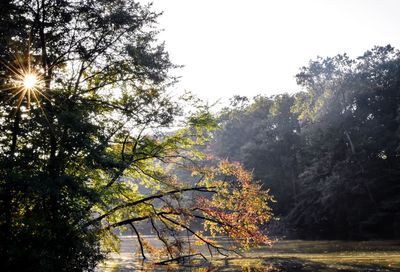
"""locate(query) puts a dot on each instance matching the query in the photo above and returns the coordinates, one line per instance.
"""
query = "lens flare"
(30, 81)
(28, 85)
(24, 83)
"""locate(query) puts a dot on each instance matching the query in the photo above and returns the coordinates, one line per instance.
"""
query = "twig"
(139, 240)
(181, 258)
(157, 196)
(198, 236)
(162, 239)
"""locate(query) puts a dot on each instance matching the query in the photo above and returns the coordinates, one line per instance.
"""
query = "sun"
(30, 81)
(25, 83)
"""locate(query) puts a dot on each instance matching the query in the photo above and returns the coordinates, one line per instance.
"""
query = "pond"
(285, 255)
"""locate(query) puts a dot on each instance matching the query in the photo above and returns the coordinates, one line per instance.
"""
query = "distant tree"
(350, 124)
(264, 136)
(329, 153)
(83, 137)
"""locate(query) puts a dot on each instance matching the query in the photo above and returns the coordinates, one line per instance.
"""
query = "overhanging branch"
(157, 196)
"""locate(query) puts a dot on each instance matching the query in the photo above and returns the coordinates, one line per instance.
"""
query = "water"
(290, 255)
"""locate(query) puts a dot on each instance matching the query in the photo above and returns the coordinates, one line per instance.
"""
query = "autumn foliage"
(239, 208)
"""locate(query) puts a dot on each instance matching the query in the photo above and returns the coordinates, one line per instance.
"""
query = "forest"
(94, 148)
(330, 154)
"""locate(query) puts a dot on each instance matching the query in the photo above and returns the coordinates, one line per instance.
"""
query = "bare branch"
(134, 219)
(218, 248)
(162, 239)
(139, 240)
(157, 196)
(181, 258)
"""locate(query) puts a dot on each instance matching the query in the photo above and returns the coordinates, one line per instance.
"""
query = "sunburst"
(24, 81)
(30, 81)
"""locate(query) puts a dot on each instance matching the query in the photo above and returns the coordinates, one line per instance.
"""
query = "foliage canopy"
(330, 154)
(85, 151)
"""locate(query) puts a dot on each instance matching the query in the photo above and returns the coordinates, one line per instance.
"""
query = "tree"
(84, 142)
(329, 153)
(350, 125)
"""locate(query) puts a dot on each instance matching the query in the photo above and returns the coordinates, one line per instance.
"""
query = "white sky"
(251, 47)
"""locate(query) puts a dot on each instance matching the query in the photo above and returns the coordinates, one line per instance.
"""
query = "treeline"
(329, 154)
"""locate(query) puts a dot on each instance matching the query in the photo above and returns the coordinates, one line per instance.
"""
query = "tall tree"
(83, 146)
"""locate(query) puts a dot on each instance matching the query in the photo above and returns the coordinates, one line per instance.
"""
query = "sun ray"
(21, 98)
(24, 82)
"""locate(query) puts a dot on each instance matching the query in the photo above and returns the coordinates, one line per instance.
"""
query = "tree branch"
(162, 239)
(157, 196)
(139, 240)
(218, 248)
(181, 258)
